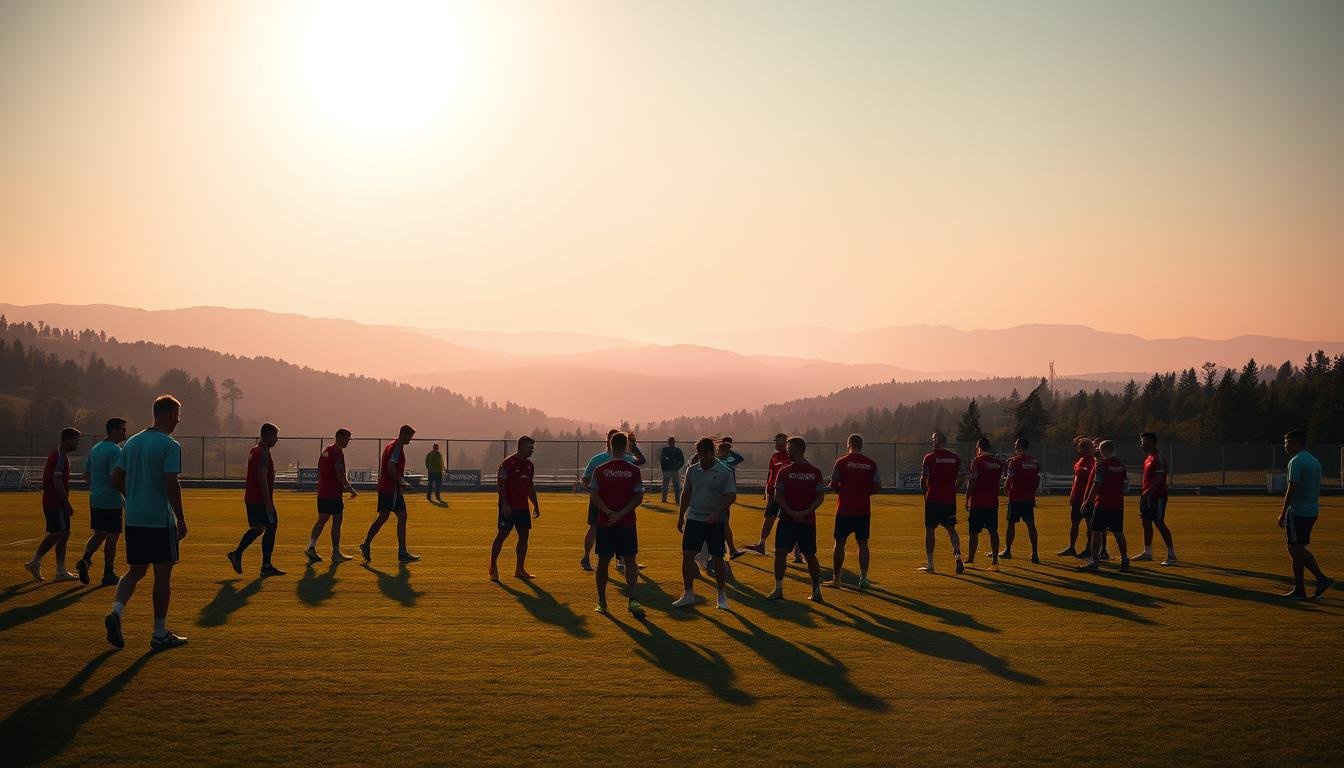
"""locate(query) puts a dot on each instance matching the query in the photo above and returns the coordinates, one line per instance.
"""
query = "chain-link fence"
(560, 463)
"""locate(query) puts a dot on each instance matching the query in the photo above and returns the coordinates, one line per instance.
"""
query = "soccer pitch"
(432, 664)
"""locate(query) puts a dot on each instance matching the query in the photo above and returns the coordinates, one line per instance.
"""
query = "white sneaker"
(722, 603)
(1171, 560)
(65, 576)
(925, 569)
(686, 600)
(1142, 557)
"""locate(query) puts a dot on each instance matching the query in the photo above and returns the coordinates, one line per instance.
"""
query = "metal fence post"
(202, 457)
(1224, 463)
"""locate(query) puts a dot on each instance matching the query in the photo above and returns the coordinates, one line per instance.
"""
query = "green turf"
(433, 664)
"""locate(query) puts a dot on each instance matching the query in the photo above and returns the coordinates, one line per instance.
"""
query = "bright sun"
(383, 69)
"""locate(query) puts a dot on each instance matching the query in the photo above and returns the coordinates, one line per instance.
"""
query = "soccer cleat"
(169, 640)
(312, 555)
(35, 568)
(82, 568)
(925, 569)
(736, 553)
(722, 602)
(1086, 554)
(687, 599)
(1295, 595)
(639, 565)
(586, 564)
(341, 557)
(1142, 557)
(816, 595)
(111, 580)
(778, 594)
(864, 583)
(1171, 560)
(524, 575)
(961, 567)
(271, 570)
(1104, 555)
(994, 567)
(1321, 586)
(236, 560)
(1090, 565)
(65, 576)
(1068, 552)
(635, 609)
(757, 548)
(600, 608)
(1035, 560)
(834, 584)
(493, 573)
(364, 550)
(113, 623)
(1006, 554)
(1124, 565)
(407, 557)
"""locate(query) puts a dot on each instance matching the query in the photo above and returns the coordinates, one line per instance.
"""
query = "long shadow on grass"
(14, 590)
(396, 587)
(316, 588)
(945, 615)
(45, 726)
(689, 661)
(542, 605)
(651, 594)
(799, 610)
(1055, 599)
(228, 600)
(1278, 578)
(26, 613)
(1170, 579)
(1108, 588)
(806, 662)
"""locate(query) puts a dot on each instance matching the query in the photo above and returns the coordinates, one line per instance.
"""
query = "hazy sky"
(643, 169)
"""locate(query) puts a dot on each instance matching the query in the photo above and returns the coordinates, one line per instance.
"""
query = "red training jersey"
(1082, 473)
(258, 459)
(1024, 474)
(330, 472)
(799, 483)
(618, 482)
(778, 460)
(393, 460)
(1154, 476)
(57, 466)
(982, 484)
(939, 476)
(515, 482)
(1109, 478)
(855, 479)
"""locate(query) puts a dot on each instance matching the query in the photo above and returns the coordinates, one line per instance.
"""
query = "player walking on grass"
(1301, 507)
(1078, 512)
(56, 507)
(616, 488)
(104, 503)
(514, 483)
(799, 490)
(332, 485)
(635, 457)
(982, 500)
(1153, 500)
(259, 499)
(1107, 496)
(854, 478)
(391, 500)
(147, 475)
(670, 462)
(1023, 476)
(938, 479)
(702, 520)
(778, 460)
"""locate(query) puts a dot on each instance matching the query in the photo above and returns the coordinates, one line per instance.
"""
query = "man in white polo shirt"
(710, 490)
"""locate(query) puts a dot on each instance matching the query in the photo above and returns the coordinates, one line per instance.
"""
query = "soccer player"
(1301, 507)
(434, 465)
(56, 506)
(634, 457)
(854, 478)
(702, 520)
(391, 500)
(982, 500)
(1078, 513)
(616, 488)
(259, 499)
(670, 461)
(1153, 500)
(1107, 497)
(105, 503)
(1023, 477)
(332, 485)
(514, 483)
(938, 479)
(778, 460)
(799, 490)
(147, 475)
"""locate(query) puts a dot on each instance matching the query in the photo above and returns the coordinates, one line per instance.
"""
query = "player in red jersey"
(615, 490)
(777, 461)
(982, 500)
(1023, 477)
(391, 500)
(799, 490)
(259, 498)
(1153, 500)
(1107, 495)
(854, 478)
(1082, 473)
(56, 507)
(332, 485)
(938, 479)
(514, 484)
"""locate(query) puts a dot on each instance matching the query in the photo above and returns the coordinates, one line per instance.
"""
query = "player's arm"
(816, 502)
(971, 477)
(834, 485)
(638, 454)
(1094, 489)
(1287, 502)
(501, 482)
(597, 500)
(263, 479)
(173, 487)
(877, 481)
(536, 505)
(339, 469)
(635, 501)
(118, 479)
(924, 477)
(685, 504)
(62, 492)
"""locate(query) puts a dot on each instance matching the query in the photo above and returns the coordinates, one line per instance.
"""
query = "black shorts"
(592, 513)
(1112, 520)
(939, 513)
(1152, 509)
(699, 532)
(618, 540)
(1079, 512)
(772, 509)
(855, 524)
(790, 532)
(258, 516)
(151, 546)
(58, 520)
(1299, 530)
(103, 519)
(1022, 511)
(330, 506)
(391, 502)
(515, 518)
(983, 519)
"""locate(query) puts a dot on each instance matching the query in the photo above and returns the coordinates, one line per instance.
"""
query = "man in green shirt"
(434, 468)
(1301, 506)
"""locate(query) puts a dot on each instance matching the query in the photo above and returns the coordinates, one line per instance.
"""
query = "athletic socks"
(930, 554)
(160, 626)
(118, 607)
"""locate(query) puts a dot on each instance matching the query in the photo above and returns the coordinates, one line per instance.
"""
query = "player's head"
(167, 413)
(729, 440)
(405, 434)
(1096, 445)
(1106, 448)
(982, 444)
(116, 429)
(342, 438)
(1020, 445)
(270, 434)
(525, 446)
(1084, 446)
(1295, 440)
(797, 448)
(1148, 441)
(704, 448)
(855, 442)
(611, 433)
(671, 441)
(69, 439)
(780, 440)
(939, 438)
(723, 449)
(619, 442)
(435, 447)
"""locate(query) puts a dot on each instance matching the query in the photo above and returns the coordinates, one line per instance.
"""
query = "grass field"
(1200, 664)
